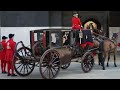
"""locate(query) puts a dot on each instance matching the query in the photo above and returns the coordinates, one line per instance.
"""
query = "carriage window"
(55, 39)
(35, 36)
(66, 38)
(40, 36)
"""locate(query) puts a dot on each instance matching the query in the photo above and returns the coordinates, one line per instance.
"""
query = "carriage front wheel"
(22, 61)
(87, 62)
(50, 64)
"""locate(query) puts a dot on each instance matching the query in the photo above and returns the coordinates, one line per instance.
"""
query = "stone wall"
(115, 30)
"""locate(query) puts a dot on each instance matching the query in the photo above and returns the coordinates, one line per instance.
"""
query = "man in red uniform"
(76, 27)
(76, 22)
(2, 54)
(10, 53)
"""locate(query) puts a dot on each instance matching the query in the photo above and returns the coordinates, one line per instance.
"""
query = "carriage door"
(55, 39)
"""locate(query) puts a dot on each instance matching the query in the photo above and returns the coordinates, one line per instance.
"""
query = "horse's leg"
(103, 60)
(115, 60)
(108, 59)
(99, 58)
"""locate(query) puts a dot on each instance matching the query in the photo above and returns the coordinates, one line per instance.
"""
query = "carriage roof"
(52, 29)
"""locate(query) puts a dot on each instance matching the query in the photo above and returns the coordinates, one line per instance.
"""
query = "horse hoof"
(103, 68)
(115, 65)
(107, 65)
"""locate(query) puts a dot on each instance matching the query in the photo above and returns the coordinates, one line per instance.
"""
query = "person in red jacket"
(10, 54)
(76, 27)
(2, 54)
(76, 22)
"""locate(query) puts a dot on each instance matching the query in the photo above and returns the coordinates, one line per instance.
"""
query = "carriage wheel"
(37, 50)
(50, 64)
(65, 66)
(87, 63)
(22, 62)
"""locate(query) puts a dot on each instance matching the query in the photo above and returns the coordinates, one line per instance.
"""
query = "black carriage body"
(54, 39)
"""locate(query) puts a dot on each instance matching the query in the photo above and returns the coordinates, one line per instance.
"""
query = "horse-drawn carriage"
(51, 50)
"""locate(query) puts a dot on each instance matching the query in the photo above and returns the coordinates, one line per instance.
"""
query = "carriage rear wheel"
(22, 61)
(87, 62)
(65, 66)
(50, 64)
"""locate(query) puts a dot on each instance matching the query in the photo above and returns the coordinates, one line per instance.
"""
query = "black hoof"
(107, 65)
(103, 68)
(115, 65)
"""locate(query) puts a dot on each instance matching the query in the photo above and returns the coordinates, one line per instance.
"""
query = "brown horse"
(110, 46)
(107, 47)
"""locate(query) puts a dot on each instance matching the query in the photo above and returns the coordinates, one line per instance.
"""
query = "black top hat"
(11, 35)
(4, 37)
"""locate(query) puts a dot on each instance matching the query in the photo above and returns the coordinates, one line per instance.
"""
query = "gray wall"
(114, 18)
(67, 18)
(55, 18)
(25, 18)
(0, 18)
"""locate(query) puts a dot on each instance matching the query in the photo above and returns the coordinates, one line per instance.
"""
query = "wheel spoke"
(45, 70)
(55, 62)
(27, 68)
(52, 72)
(19, 66)
(22, 68)
(85, 66)
(54, 69)
(21, 52)
(49, 72)
(28, 53)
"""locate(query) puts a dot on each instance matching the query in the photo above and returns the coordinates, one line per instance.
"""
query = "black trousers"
(76, 35)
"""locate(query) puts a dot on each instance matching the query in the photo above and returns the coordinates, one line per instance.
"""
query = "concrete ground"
(75, 72)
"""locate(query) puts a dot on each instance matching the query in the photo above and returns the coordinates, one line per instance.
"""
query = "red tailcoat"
(3, 52)
(76, 23)
(10, 49)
